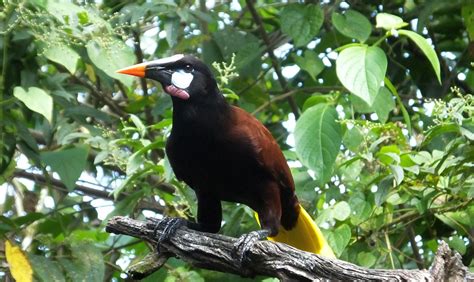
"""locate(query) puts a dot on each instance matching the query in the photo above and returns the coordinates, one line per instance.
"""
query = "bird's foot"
(169, 226)
(245, 242)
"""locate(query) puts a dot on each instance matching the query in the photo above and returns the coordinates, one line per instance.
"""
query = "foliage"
(381, 152)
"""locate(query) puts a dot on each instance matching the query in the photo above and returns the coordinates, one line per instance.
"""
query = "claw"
(245, 242)
(169, 226)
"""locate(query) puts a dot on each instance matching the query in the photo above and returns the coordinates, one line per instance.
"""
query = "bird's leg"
(245, 242)
(269, 214)
(209, 219)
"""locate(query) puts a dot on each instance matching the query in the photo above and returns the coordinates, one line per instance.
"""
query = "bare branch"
(215, 252)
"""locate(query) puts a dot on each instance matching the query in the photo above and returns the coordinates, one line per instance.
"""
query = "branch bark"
(215, 252)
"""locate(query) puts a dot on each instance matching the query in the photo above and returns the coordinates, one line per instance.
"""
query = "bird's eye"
(188, 68)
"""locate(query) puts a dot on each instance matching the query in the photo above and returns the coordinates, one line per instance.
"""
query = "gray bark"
(216, 252)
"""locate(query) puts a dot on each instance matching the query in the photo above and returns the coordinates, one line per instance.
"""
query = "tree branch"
(95, 193)
(215, 252)
(271, 55)
(94, 91)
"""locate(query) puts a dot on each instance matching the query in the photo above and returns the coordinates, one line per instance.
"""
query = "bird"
(225, 154)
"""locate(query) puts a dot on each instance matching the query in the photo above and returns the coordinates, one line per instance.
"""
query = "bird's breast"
(213, 162)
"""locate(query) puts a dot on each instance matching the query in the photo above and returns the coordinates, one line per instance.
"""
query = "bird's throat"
(177, 92)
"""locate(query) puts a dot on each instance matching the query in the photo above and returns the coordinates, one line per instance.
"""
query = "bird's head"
(182, 76)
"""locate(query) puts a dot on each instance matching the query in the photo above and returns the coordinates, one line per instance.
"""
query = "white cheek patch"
(181, 79)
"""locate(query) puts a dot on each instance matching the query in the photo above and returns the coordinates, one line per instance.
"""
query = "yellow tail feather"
(305, 236)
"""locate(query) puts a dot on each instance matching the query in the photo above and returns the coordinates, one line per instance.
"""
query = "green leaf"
(360, 208)
(383, 104)
(438, 130)
(89, 261)
(29, 218)
(63, 55)
(398, 173)
(310, 62)
(353, 138)
(172, 30)
(426, 48)
(366, 259)
(301, 22)
(467, 12)
(388, 21)
(68, 163)
(317, 140)
(37, 100)
(138, 124)
(134, 162)
(352, 24)
(361, 69)
(317, 98)
(458, 244)
(342, 211)
(105, 57)
(383, 188)
(339, 238)
(45, 269)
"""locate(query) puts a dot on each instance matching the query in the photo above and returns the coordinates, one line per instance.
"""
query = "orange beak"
(136, 70)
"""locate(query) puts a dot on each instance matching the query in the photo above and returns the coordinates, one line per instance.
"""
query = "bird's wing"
(268, 153)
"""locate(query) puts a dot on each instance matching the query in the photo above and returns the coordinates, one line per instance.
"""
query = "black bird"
(225, 154)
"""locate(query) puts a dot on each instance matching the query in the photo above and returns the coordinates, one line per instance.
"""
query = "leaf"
(45, 269)
(37, 100)
(63, 55)
(339, 238)
(389, 21)
(383, 104)
(68, 163)
(138, 124)
(29, 218)
(366, 259)
(134, 162)
(398, 173)
(20, 267)
(353, 138)
(360, 208)
(301, 22)
(89, 260)
(317, 98)
(383, 188)
(426, 48)
(438, 130)
(342, 211)
(310, 62)
(317, 140)
(467, 12)
(172, 30)
(352, 24)
(361, 69)
(458, 244)
(115, 55)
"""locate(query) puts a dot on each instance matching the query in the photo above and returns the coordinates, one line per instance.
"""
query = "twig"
(292, 92)
(96, 93)
(95, 193)
(93, 90)
(153, 180)
(140, 57)
(215, 252)
(273, 58)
